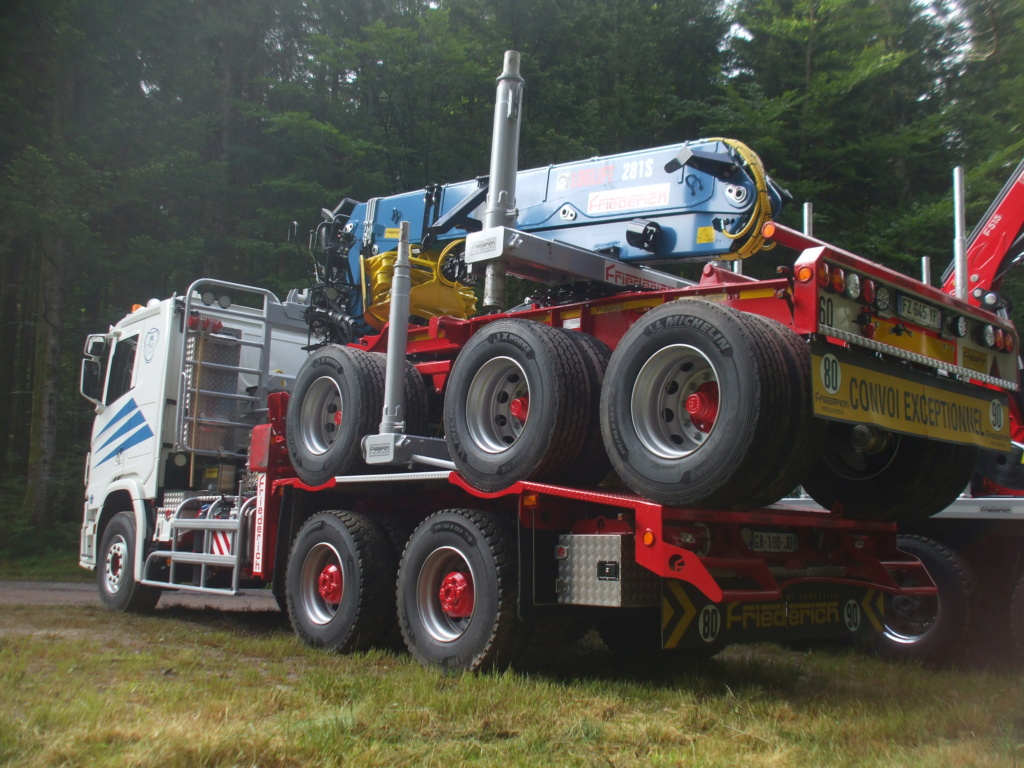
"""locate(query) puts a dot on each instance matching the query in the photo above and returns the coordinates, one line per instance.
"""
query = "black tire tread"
(553, 448)
(140, 599)
(375, 602)
(802, 435)
(417, 414)
(509, 633)
(776, 425)
(592, 465)
(946, 641)
(367, 383)
(924, 477)
(738, 481)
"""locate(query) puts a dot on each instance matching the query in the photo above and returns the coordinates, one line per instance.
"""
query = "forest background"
(146, 143)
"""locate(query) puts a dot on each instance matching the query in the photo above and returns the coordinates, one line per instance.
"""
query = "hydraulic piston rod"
(501, 197)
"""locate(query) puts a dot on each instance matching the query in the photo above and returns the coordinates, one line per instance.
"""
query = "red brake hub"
(702, 406)
(520, 408)
(456, 595)
(329, 584)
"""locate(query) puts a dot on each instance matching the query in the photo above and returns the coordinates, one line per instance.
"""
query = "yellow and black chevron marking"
(677, 612)
(873, 606)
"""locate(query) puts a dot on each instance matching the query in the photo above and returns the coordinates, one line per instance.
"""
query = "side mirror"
(96, 345)
(91, 382)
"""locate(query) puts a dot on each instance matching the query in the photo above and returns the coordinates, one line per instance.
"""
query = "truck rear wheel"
(696, 395)
(340, 582)
(516, 405)
(931, 629)
(115, 571)
(457, 599)
(337, 400)
(885, 476)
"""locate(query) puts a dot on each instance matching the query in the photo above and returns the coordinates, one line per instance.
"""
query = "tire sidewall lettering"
(697, 324)
(515, 341)
(442, 527)
(716, 333)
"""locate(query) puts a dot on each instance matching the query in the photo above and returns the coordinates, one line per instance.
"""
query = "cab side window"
(122, 365)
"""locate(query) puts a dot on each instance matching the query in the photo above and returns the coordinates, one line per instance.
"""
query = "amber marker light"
(649, 538)
(531, 500)
(805, 273)
(768, 230)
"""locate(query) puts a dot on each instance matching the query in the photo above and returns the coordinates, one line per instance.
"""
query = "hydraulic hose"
(762, 210)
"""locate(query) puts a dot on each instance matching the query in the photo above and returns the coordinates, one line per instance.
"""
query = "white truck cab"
(178, 384)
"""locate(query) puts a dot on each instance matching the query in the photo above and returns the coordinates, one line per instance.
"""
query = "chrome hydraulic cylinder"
(500, 209)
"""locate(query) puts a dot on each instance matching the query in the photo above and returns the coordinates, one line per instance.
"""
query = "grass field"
(55, 566)
(82, 686)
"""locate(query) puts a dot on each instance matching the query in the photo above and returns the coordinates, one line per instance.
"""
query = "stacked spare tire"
(700, 405)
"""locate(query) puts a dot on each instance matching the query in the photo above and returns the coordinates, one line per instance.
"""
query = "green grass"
(53, 566)
(83, 686)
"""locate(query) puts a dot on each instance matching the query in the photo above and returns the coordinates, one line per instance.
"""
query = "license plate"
(773, 541)
(918, 312)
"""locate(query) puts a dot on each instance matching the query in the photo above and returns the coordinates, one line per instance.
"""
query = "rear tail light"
(837, 280)
(824, 275)
(1000, 340)
(867, 291)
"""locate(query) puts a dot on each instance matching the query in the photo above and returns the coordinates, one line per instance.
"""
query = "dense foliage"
(145, 143)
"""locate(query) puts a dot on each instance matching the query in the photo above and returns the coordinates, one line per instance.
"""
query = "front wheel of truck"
(115, 571)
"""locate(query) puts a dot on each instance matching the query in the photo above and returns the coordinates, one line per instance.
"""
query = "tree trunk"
(41, 480)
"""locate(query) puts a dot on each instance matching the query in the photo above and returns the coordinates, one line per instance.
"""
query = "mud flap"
(689, 621)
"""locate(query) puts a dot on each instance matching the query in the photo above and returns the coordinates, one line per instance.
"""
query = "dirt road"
(67, 593)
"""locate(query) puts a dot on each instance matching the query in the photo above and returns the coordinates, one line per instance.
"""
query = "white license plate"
(918, 312)
(771, 541)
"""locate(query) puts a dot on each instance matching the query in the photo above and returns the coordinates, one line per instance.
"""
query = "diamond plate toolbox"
(599, 569)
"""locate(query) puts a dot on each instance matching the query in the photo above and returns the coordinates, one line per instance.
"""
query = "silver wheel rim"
(910, 619)
(117, 562)
(314, 605)
(439, 625)
(658, 403)
(321, 414)
(498, 384)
